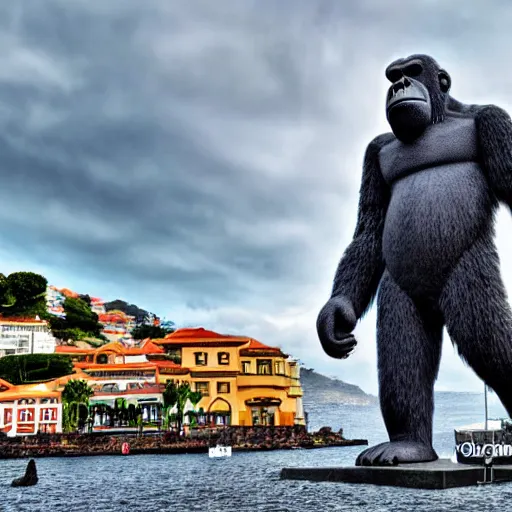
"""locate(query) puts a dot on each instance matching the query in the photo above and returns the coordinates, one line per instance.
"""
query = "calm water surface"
(250, 481)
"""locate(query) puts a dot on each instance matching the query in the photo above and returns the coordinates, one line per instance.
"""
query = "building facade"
(241, 381)
(25, 336)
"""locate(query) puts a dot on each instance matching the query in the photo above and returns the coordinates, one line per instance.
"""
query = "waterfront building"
(19, 335)
(32, 408)
(242, 381)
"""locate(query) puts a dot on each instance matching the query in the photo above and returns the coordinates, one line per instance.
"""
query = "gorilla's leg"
(478, 317)
(409, 337)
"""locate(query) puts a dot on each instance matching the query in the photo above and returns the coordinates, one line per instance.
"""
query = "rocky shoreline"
(239, 438)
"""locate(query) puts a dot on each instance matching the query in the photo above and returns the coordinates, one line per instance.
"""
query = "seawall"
(239, 438)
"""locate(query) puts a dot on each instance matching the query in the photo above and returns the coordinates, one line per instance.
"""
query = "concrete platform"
(441, 474)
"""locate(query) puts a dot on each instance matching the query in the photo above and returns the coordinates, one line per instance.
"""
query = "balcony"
(255, 380)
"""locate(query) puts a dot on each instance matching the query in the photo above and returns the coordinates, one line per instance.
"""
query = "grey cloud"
(203, 155)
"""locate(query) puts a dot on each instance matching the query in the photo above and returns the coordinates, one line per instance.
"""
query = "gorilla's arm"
(361, 267)
(494, 128)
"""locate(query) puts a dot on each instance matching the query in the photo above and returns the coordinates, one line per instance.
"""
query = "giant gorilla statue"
(424, 237)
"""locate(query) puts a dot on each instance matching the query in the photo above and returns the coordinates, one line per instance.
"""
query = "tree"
(195, 397)
(177, 394)
(141, 332)
(31, 368)
(23, 294)
(183, 395)
(75, 398)
(170, 399)
(141, 316)
(80, 321)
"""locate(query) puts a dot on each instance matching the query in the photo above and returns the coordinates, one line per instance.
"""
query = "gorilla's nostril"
(398, 86)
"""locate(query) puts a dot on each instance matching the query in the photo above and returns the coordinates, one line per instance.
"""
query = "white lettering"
(468, 449)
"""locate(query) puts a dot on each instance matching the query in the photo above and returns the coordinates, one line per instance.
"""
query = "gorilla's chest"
(450, 142)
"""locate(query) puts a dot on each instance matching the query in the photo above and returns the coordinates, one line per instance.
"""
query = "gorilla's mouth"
(395, 101)
(404, 90)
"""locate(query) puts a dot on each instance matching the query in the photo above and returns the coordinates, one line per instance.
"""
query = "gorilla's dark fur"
(424, 237)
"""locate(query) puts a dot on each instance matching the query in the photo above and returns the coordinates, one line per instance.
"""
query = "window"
(223, 358)
(174, 354)
(102, 359)
(222, 387)
(246, 366)
(201, 358)
(264, 367)
(26, 415)
(279, 368)
(48, 415)
(203, 388)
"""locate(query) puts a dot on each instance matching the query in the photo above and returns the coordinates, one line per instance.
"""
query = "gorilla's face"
(416, 97)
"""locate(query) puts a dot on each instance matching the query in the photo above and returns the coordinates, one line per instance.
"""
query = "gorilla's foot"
(393, 453)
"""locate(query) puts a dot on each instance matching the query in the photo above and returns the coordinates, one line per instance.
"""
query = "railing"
(250, 380)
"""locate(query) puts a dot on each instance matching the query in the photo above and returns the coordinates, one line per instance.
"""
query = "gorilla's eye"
(413, 70)
(394, 75)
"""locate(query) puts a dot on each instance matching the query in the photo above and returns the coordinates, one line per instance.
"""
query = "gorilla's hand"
(336, 321)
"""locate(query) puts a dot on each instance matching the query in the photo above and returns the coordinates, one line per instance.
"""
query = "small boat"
(219, 451)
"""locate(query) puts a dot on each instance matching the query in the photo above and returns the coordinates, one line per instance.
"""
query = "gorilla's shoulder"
(380, 141)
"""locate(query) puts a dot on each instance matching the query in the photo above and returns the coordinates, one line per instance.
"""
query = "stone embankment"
(239, 438)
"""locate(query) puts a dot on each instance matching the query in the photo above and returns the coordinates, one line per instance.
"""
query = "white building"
(25, 336)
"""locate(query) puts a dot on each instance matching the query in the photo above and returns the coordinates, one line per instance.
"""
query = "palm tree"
(195, 398)
(170, 399)
(184, 391)
(75, 395)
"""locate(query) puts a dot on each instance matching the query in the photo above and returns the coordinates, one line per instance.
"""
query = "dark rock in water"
(30, 477)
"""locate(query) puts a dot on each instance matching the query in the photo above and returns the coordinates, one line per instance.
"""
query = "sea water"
(250, 481)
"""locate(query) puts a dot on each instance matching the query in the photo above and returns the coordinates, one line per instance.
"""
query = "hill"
(319, 389)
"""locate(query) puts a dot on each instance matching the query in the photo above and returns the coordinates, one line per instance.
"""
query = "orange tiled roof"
(115, 346)
(149, 365)
(67, 349)
(147, 347)
(257, 345)
(113, 317)
(20, 320)
(195, 333)
(190, 336)
(50, 389)
(68, 293)
(5, 384)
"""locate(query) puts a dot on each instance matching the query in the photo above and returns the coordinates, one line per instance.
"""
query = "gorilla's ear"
(445, 82)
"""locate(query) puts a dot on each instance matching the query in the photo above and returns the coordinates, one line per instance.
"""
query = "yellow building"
(243, 381)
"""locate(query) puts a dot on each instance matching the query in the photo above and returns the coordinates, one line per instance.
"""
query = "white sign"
(468, 449)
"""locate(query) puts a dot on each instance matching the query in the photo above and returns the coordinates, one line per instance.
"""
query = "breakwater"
(239, 438)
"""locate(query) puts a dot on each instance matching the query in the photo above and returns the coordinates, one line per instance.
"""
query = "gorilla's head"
(417, 96)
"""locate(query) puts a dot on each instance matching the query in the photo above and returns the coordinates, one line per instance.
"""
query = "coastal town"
(185, 389)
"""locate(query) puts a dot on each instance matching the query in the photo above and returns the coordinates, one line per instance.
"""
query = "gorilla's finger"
(339, 349)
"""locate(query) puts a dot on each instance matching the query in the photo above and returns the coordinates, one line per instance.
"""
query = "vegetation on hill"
(31, 368)
(80, 322)
(141, 332)
(141, 315)
(23, 294)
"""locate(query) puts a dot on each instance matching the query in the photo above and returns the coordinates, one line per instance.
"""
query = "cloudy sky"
(203, 159)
